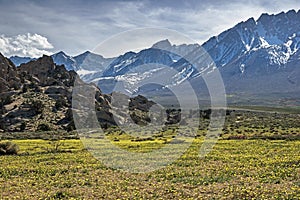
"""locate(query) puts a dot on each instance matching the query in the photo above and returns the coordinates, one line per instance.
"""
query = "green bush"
(8, 148)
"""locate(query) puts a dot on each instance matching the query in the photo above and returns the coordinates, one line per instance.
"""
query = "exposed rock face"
(8, 75)
(39, 68)
(141, 103)
(39, 97)
(48, 73)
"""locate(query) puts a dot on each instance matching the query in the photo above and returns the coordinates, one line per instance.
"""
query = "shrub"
(25, 88)
(8, 148)
(60, 103)
(5, 100)
(70, 127)
(2, 123)
(37, 106)
(54, 146)
(43, 127)
(23, 126)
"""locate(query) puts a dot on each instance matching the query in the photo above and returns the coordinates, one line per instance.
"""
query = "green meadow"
(257, 156)
(235, 169)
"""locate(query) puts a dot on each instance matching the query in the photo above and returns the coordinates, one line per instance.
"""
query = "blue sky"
(31, 28)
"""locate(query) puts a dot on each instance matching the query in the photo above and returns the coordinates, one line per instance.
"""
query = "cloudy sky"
(33, 28)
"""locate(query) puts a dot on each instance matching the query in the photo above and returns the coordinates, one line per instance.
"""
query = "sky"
(33, 28)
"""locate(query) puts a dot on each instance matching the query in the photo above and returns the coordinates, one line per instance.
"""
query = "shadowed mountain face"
(258, 59)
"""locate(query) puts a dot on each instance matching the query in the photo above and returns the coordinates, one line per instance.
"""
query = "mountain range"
(258, 60)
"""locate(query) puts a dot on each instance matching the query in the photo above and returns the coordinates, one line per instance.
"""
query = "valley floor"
(235, 169)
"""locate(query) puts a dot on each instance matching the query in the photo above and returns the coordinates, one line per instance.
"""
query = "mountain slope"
(134, 68)
(61, 58)
(260, 57)
(17, 60)
(275, 35)
(256, 58)
(8, 77)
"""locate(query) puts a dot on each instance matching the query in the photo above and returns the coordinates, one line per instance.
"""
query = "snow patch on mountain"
(83, 72)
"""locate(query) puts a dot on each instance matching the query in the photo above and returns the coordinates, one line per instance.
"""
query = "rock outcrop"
(9, 79)
(37, 96)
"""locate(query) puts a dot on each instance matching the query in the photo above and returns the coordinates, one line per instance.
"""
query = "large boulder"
(9, 79)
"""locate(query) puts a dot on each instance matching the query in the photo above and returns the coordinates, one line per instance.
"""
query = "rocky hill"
(37, 96)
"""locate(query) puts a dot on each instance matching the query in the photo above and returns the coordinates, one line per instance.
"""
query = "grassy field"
(235, 169)
(256, 157)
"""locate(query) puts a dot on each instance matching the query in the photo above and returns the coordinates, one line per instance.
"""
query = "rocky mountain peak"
(163, 44)
(40, 68)
(45, 63)
(37, 96)
(61, 58)
(61, 53)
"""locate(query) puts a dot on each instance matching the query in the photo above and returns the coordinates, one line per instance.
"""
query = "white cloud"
(199, 21)
(77, 26)
(31, 45)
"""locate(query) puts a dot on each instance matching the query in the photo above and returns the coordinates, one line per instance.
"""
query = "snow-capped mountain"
(89, 63)
(259, 57)
(17, 60)
(133, 68)
(86, 64)
(255, 57)
(61, 58)
(176, 51)
(277, 36)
